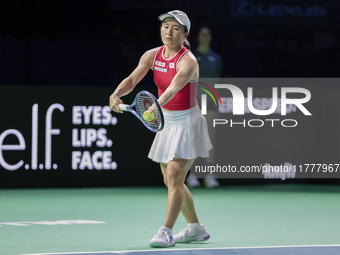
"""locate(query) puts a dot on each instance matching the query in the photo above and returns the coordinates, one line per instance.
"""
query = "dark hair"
(198, 31)
(186, 42)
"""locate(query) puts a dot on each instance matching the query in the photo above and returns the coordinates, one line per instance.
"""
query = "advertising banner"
(275, 128)
(68, 137)
(278, 16)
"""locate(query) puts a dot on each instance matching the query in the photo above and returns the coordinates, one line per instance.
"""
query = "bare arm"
(188, 68)
(129, 83)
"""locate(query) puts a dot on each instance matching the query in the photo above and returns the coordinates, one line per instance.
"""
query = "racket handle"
(124, 107)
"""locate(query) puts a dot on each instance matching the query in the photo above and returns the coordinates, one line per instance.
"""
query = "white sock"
(166, 229)
(194, 225)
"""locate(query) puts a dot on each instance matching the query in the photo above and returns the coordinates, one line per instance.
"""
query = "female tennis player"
(185, 135)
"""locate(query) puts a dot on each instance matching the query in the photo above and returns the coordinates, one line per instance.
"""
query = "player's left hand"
(152, 109)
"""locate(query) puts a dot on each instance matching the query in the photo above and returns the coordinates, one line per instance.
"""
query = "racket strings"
(144, 102)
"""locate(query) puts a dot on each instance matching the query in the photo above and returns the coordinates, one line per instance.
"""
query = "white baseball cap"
(179, 16)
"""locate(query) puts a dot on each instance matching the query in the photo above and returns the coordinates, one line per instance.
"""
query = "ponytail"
(186, 44)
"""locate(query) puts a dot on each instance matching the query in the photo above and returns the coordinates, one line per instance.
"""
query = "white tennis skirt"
(185, 135)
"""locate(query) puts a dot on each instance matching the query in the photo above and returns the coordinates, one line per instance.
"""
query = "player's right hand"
(114, 102)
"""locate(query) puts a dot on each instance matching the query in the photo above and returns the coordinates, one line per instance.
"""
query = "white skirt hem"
(185, 135)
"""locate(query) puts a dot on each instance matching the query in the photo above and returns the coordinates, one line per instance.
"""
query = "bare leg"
(179, 196)
(188, 208)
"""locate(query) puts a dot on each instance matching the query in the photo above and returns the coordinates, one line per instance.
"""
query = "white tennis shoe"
(210, 181)
(192, 181)
(162, 239)
(191, 234)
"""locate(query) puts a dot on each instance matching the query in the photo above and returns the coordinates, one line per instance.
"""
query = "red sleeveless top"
(164, 70)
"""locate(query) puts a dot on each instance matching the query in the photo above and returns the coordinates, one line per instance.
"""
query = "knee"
(173, 178)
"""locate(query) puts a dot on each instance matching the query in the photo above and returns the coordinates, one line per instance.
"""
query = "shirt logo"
(160, 63)
(212, 59)
(172, 65)
(161, 69)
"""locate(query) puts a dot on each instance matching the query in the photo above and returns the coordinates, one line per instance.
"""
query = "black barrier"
(67, 137)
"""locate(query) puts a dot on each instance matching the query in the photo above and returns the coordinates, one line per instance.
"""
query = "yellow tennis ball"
(148, 116)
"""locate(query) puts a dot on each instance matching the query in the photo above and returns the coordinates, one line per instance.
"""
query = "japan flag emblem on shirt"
(172, 65)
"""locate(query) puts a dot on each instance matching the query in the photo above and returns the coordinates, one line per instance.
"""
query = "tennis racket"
(143, 101)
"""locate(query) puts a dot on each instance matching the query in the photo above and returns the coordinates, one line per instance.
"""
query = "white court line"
(174, 249)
